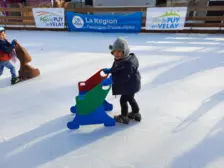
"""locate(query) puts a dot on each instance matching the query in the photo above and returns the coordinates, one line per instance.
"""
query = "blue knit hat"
(2, 29)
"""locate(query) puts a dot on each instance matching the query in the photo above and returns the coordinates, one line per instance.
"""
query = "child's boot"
(121, 119)
(135, 116)
(15, 81)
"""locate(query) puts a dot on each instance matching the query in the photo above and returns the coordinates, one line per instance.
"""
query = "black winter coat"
(125, 75)
(5, 46)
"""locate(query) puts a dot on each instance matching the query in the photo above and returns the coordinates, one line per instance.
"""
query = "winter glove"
(107, 81)
(107, 70)
(13, 43)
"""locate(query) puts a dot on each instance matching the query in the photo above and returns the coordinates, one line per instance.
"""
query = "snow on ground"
(181, 102)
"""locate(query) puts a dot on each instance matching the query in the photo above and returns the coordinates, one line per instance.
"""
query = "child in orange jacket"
(5, 56)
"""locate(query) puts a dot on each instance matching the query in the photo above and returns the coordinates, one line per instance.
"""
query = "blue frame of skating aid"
(98, 116)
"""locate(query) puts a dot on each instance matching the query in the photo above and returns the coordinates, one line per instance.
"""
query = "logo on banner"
(104, 23)
(50, 19)
(78, 22)
(169, 20)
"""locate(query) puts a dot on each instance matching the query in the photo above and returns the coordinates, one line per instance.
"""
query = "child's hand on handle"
(13, 43)
(107, 70)
(107, 81)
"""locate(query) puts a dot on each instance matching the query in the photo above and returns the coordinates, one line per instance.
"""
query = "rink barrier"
(193, 24)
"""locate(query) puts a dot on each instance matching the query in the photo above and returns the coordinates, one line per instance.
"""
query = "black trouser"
(124, 104)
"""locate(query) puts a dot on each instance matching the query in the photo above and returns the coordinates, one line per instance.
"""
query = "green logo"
(169, 20)
(170, 14)
(45, 19)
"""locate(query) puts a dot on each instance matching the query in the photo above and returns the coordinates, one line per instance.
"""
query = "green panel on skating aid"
(91, 100)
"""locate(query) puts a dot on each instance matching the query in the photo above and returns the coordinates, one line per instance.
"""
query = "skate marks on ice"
(5, 82)
(189, 67)
(122, 166)
(51, 140)
(204, 108)
(200, 53)
(206, 153)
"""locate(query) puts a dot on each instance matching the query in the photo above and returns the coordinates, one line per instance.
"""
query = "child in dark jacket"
(5, 56)
(125, 79)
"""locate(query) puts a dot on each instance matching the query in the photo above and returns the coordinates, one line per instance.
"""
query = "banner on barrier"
(104, 23)
(49, 17)
(168, 18)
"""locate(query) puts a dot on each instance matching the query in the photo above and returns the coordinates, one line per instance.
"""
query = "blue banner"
(104, 23)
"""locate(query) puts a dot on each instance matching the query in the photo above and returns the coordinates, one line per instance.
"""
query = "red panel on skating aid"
(92, 81)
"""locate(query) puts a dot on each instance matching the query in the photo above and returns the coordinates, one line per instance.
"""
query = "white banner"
(49, 17)
(168, 18)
